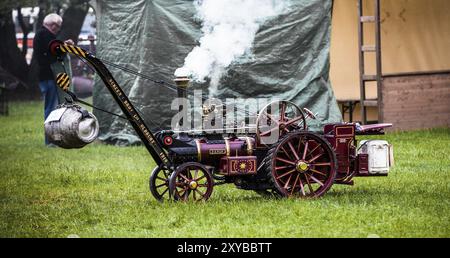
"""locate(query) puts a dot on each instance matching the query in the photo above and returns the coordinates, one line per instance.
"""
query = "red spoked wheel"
(280, 117)
(159, 183)
(191, 181)
(302, 164)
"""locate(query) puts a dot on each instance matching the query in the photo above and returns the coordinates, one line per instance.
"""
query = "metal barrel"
(71, 127)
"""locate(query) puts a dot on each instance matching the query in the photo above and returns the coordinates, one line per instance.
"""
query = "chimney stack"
(182, 83)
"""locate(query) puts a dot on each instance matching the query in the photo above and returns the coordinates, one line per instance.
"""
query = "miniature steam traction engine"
(298, 163)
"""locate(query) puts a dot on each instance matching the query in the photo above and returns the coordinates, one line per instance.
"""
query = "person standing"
(51, 26)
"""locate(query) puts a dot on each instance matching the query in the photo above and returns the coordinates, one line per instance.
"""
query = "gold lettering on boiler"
(217, 151)
(115, 87)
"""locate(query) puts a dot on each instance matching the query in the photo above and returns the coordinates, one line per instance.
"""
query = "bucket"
(71, 126)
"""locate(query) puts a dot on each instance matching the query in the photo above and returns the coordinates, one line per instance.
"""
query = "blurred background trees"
(17, 70)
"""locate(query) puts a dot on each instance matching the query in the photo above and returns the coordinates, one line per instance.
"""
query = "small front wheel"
(159, 183)
(191, 181)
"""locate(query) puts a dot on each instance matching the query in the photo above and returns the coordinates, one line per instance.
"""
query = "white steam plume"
(229, 28)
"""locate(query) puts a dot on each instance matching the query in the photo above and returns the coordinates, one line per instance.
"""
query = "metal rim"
(191, 182)
(159, 183)
(303, 164)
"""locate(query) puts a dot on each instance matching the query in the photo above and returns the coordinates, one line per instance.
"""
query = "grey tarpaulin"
(291, 59)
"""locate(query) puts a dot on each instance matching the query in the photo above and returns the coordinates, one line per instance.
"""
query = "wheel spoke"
(285, 174)
(270, 131)
(309, 185)
(283, 167)
(196, 174)
(315, 157)
(160, 178)
(286, 153)
(271, 117)
(180, 193)
(310, 153)
(201, 194)
(193, 196)
(287, 182)
(165, 191)
(293, 120)
(158, 186)
(322, 164)
(293, 150)
(316, 180)
(286, 161)
(302, 186)
(318, 172)
(180, 184)
(186, 195)
(189, 174)
(305, 150)
(185, 178)
(200, 178)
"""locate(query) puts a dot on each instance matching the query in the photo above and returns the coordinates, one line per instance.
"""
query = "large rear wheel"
(302, 164)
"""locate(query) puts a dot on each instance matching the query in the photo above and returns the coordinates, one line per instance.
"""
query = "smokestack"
(182, 83)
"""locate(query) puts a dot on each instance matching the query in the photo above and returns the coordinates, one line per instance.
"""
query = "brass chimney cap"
(182, 81)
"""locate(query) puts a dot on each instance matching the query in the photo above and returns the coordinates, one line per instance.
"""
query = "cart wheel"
(191, 181)
(286, 118)
(302, 164)
(159, 183)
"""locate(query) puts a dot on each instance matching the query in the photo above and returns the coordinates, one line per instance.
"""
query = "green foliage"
(57, 6)
(102, 191)
(9, 5)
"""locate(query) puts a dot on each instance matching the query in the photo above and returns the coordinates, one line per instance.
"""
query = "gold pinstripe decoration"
(63, 81)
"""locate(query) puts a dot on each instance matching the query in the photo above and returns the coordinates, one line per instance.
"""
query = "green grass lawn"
(102, 191)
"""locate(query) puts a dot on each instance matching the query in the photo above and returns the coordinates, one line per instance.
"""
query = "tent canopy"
(290, 60)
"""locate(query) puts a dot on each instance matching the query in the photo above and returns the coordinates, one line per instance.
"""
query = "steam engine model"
(190, 163)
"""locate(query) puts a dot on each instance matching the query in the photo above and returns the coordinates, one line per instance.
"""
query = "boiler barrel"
(212, 152)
